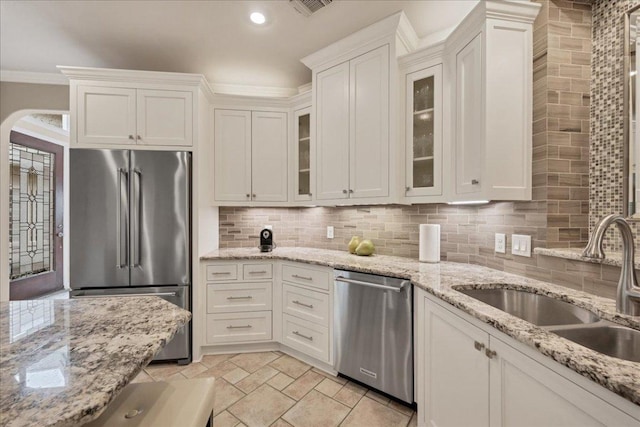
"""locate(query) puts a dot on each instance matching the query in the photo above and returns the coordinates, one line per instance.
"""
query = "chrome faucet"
(628, 294)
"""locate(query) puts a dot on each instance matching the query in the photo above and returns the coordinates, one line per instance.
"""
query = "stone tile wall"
(562, 51)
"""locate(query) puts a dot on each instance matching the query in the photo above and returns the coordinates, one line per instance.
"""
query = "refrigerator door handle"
(119, 263)
(137, 257)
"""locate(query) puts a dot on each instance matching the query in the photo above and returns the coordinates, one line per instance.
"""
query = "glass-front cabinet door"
(424, 132)
(302, 136)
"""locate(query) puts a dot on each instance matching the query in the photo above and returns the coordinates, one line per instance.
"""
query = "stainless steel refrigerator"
(130, 231)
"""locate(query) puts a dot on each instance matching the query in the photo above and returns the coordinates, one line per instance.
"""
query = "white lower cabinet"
(239, 310)
(307, 309)
(225, 328)
(467, 376)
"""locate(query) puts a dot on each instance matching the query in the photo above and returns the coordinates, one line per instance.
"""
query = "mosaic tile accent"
(607, 132)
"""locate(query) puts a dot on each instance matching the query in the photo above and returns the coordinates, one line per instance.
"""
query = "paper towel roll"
(429, 243)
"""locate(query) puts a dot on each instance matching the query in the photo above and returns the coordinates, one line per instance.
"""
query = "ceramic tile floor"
(274, 389)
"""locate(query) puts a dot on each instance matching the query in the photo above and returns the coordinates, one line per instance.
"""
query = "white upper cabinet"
(232, 155)
(369, 124)
(133, 109)
(332, 132)
(106, 115)
(469, 113)
(355, 111)
(424, 132)
(490, 55)
(250, 157)
(164, 117)
(352, 139)
(303, 175)
(269, 161)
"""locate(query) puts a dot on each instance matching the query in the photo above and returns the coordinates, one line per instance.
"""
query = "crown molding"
(385, 30)
(117, 75)
(433, 52)
(33, 77)
(253, 91)
(305, 87)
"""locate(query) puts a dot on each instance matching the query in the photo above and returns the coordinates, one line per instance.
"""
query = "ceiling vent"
(308, 7)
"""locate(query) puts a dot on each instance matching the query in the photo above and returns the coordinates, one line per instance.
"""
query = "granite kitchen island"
(63, 361)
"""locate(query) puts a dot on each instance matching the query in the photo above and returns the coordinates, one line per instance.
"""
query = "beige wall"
(21, 96)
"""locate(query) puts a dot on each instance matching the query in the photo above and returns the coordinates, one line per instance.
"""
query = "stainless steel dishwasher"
(373, 332)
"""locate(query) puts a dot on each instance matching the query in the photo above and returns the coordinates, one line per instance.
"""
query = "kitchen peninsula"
(63, 361)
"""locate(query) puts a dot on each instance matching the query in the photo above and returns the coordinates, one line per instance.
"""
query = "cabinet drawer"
(238, 327)
(307, 337)
(256, 271)
(306, 304)
(306, 276)
(222, 272)
(234, 297)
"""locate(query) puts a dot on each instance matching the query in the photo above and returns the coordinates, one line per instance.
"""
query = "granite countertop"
(620, 376)
(63, 361)
(611, 258)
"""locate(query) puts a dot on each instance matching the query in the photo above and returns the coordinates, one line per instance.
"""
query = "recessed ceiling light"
(257, 18)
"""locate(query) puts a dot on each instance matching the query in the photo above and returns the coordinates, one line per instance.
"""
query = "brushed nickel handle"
(478, 345)
(217, 273)
(258, 272)
(303, 304)
(490, 353)
(239, 327)
(301, 277)
(234, 298)
(303, 336)
(475, 182)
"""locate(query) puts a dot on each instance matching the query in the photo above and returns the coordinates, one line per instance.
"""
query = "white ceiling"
(214, 38)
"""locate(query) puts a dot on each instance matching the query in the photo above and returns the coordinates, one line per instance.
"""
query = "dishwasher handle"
(402, 286)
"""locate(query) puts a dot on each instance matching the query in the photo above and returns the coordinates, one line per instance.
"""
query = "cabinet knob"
(253, 196)
(475, 182)
(310, 194)
(139, 137)
(406, 189)
(248, 195)
(344, 191)
(478, 345)
(131, 137)
(350, 191)
(490, 353)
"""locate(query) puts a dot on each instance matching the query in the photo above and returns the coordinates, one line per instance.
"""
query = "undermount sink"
(614, 341)
(538, 309)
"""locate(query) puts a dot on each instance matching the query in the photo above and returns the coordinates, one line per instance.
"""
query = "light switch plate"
(329, 232)
(501, 243)
(521, 245)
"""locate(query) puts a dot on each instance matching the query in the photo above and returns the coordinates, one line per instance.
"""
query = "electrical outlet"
(521, 245)
(501, 243)
(269, 227)
(329, 232)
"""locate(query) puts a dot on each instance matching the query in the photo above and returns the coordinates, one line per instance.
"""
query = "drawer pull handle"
(258, 272)
(490, 353)
(218, 273)
(303, 304)
(303, 336)
(247, 297)
(239, 327)
(301, 277)
(478, 345)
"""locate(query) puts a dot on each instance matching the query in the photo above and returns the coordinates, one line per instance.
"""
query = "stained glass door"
(35, 217)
